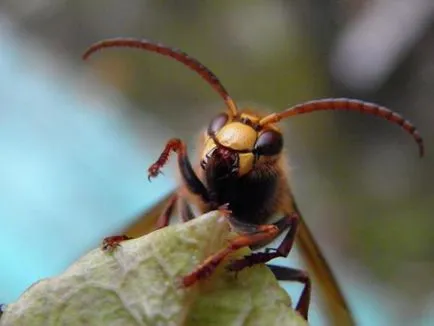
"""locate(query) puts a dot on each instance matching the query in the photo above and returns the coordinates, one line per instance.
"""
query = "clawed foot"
(109, 244)
(154, 171)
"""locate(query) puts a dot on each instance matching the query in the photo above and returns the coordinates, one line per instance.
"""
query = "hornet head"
(235, 143)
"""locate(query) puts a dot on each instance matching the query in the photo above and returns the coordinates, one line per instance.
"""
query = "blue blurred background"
(76, 138)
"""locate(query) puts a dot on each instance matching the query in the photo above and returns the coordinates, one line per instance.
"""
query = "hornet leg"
(264, 233)
(164, 218)
(186, 213)
(189, 176)
(192, 181)
(291, 274)
(281, 273)
(283, 250)
(112, 242)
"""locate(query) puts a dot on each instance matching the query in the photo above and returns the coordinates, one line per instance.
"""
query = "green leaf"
(138, 285)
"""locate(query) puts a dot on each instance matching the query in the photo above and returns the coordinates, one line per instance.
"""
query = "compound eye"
(217, 123)
(269, 143)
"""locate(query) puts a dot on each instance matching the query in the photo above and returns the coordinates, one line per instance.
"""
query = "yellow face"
(245, 160)
(238, 136)
(241, 138)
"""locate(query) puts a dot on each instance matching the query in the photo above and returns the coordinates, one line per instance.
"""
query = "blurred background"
(77, 137)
